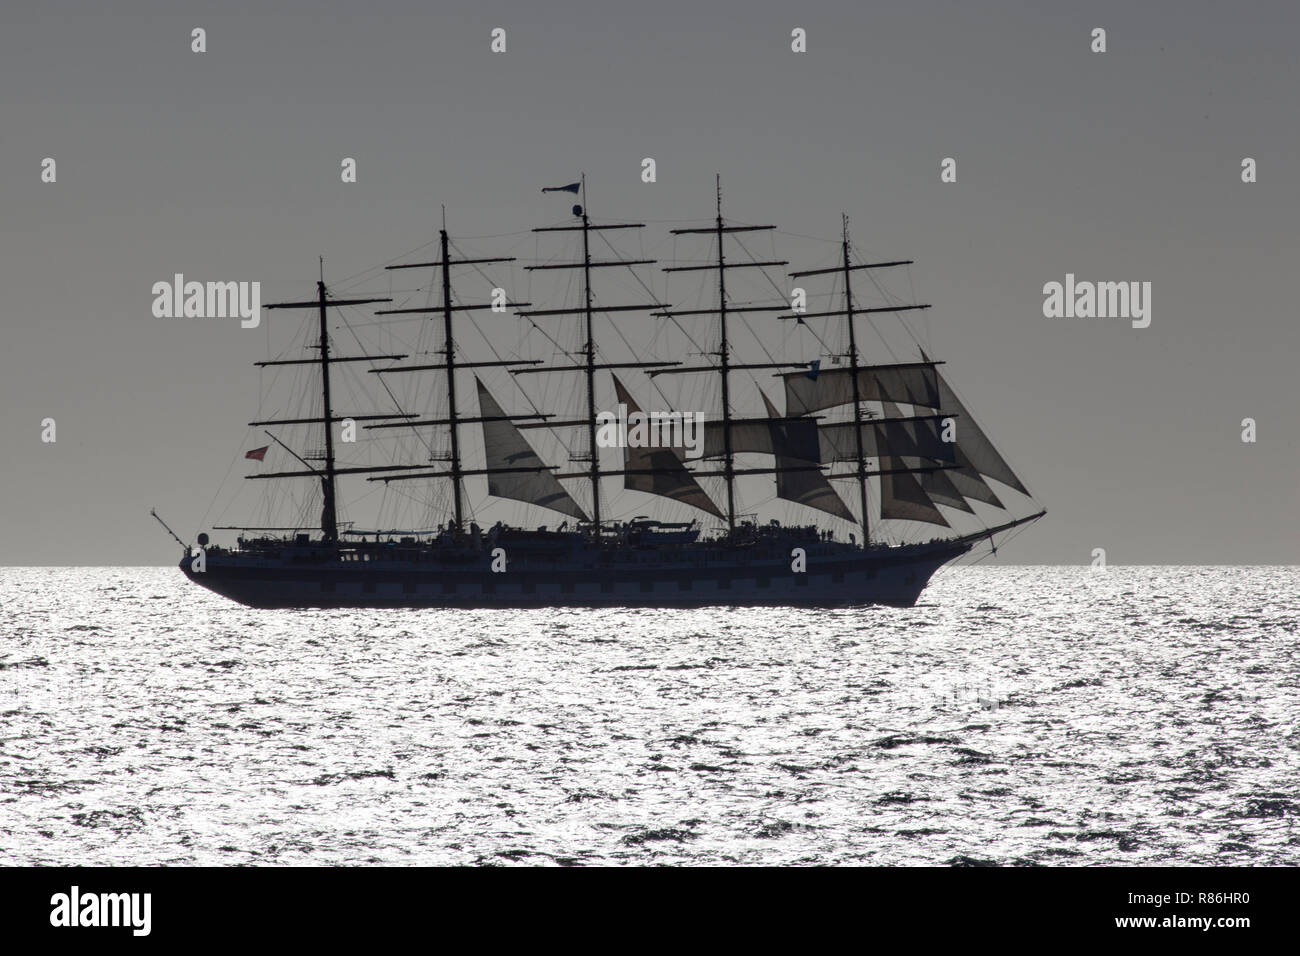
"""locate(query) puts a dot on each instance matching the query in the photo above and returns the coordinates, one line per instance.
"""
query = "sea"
(1018, 716)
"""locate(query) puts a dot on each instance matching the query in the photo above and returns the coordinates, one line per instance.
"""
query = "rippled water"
(1021, 715)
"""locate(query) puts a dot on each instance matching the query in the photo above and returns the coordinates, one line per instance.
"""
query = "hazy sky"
(225, 165)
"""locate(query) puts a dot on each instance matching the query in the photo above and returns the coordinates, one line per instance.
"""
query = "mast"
(859, 373)
(724, 367)
(857, 387)
(456, 481)
(591, 362)
(724, 370)
(329, 510)
(454, 419)
(589, 365)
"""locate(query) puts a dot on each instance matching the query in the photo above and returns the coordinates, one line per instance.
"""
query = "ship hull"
(836, 578)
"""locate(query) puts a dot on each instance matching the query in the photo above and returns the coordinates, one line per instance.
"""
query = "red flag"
(257, 454)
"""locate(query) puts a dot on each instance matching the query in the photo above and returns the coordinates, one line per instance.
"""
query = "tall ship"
(747, 436)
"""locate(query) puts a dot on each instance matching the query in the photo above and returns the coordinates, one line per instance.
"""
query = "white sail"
(921, 438)
(659, 471)
(506, 448)
(801, 483)
(975, 446)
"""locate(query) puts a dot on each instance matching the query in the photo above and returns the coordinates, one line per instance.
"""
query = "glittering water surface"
(1021, 715)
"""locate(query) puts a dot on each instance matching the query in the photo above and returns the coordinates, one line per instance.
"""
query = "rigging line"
(992, 548)
(221, 484)
(699, 347)
(799, 235)
(650, 292)
(387, 262)
(677, 221)
(478, 266)
(780, 295)
(892, 300)
(633, 272)
(221, 515)
(499, 235)
(387, 321)
(368, 494)
(484, 276)
(925, 318)
(428, 445)
(488, 279)
(341, 284)
(567, 353)
(497, 355)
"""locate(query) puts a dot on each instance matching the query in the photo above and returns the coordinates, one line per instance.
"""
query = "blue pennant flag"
(814, 369)
(571, 188)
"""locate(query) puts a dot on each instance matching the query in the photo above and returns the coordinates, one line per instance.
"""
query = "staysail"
(975, 446)
(914, 383)
(920, 438)
(794, 443)
(901, 494)
(659, 471)
(514, 469)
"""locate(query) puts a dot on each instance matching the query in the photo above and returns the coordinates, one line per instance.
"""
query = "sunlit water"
(1020, 715)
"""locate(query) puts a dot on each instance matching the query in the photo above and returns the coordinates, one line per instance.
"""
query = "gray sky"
(225, 165)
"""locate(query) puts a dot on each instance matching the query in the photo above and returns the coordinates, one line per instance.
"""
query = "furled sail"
(815, 389)
(662, 471)
(794, 442)
(506, 448)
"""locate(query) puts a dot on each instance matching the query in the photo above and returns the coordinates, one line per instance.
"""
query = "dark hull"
(835, 577)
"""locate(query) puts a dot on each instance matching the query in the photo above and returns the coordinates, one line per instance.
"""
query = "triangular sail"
(971, 440)
(659, 471)
(915, 383)
(806, 487)
(506, 448)
(920, 438)
(966, 479)
(901, 495)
